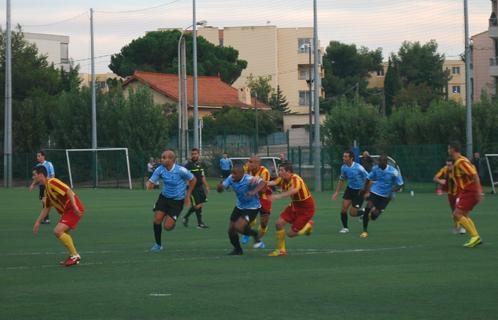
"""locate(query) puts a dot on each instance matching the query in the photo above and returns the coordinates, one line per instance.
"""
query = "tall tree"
(347, 68)
(260, 87)
(158, 52)
(392, 84)
(278, 102)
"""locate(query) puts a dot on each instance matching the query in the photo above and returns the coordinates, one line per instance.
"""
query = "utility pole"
(7, 146)
(94, 101)
(182, 100)
(256, 147)
(468, 87)
(310, 84)
(194, 73)
(317, 146)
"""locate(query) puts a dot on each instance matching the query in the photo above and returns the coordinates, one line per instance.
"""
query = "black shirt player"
(200, 192)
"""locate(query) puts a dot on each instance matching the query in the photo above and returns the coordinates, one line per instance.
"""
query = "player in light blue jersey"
(226, 165)
(387, 181)
(178, 184)
(247, 207)
(356, 176)
(41, 161)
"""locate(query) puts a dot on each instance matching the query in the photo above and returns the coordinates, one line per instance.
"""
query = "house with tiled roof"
(213, 94)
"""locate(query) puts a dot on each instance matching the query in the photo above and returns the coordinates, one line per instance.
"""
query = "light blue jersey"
(356, 175)
(50, 168)
(385, 180)
(226, 164)
(174, 181)
(241, 188)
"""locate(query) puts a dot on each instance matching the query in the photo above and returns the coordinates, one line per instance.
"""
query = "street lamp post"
(196, 100)
(310, 83)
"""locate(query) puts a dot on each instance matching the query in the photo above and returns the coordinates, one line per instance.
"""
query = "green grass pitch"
(411, 267)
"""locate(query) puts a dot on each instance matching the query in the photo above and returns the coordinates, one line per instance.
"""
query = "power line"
(139, 10)
(54, 23)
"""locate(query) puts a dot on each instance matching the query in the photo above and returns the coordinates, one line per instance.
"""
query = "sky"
(371, 23)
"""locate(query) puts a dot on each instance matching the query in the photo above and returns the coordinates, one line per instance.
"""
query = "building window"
(455, 89)
(380, 72)
(304, 72)
(304, 98)
(64, 53)
(455, 70)
(303, 45)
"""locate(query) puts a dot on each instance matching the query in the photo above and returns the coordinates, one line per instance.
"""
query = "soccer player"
(226, 165)
(40, 158)
(255, 169)
(64, 200)
(246, 189)
(469, 193)
(200, 192)
(299, 212)
(387, 181)
(445, 178)
(356, 175)
(174, 196)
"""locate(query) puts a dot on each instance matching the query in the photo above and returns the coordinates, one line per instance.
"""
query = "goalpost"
(96, 173)
(490, 170)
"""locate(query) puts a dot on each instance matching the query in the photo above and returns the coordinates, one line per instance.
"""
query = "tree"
(260, 87)
(347, 69)
(392, 84)
(158, 52)
(278, 102)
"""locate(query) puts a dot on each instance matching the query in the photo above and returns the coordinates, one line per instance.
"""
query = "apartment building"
(54, 47)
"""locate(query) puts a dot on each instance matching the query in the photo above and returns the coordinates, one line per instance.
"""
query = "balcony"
(493, 27)
(493, 67)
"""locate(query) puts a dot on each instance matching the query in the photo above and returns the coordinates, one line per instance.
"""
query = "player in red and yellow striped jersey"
(446, 180)
(69, 206)
(255, 169)
(299, 212)
(469, 192)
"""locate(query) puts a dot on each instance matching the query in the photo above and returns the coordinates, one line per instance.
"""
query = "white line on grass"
(296, 252)
(160, 294)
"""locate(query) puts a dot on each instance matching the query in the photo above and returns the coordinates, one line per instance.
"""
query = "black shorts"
(225, 173)
(248, 214)
(355, 196)
(198, 196)
(41, 187)
(170, 207)
(379, 202)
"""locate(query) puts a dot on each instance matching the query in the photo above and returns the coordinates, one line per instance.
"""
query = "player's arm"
(43, 214)
(70, 194)
(366, 188)
(340, 183)
(224, 184)
(154, 178)
(261, 184)
(206, 185)
(32, 185)
(438, 178)
(290, 192)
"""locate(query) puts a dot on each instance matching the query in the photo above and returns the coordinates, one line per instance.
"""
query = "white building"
(55, 47)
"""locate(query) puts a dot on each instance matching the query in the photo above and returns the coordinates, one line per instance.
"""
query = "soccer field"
(411, 266)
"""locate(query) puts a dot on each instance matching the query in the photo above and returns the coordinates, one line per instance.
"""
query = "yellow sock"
(252, 224)
(304, 229)
(473, 227)
(262, 231)
(67, 240)
(468, 225)
(457, 224)
(281, 239)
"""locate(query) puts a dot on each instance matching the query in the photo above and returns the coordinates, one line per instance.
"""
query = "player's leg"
(233, 236)
(245, 238)
(356, 204)
(462, 216)
(287, 216)
(344, 215)
(264, 219)
(191, 210)
(43, 200)
(61, 231)
(366, 218)
(157, 227)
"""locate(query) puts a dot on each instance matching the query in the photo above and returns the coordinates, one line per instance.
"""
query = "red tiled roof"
(212, 92)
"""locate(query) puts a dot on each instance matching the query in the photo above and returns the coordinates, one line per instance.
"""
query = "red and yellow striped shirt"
(56, 193)
(296, 182)
(448, 175)
(464, 172)
(264, 174)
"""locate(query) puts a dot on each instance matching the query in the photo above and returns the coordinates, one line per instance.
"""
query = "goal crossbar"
(98, 150)
(490, 171)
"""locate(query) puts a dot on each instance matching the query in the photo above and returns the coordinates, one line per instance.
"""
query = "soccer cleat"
(62, 262)
(461, 230)
(202, 226)
(245, 239)
(277, 253)
(156, 248)
(473, 242)
(309, 231)
(344, 230)
(259, 245)
(185, 222)
(71, 261)
(364, 235)
(236, 252)
(45, 221)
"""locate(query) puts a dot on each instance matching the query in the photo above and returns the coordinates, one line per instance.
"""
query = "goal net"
(99, 168)
(492, 164)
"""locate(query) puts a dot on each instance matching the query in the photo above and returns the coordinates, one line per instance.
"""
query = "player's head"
(281, 157)
(254, 163)
(194, 154)
(225, 155)
(237, 172)
(285, 170)
(454, 149)
(477, 155)
(40, 174)
(168, 158)
(365, 154)
(449, 163)
(348, 157)
(383, 161)
(40, 156)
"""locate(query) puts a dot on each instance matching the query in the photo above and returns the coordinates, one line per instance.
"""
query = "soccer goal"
(102, 167)
(492, 163)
